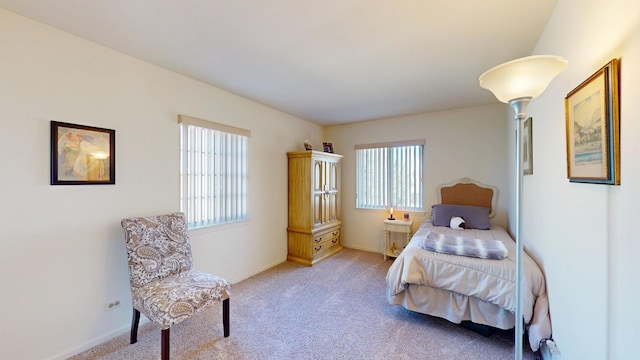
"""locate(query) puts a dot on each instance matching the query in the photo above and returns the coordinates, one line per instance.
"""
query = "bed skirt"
(453, 307)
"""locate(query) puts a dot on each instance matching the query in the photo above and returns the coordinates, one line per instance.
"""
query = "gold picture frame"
(592, 114)
(82, 155)
(527, 147)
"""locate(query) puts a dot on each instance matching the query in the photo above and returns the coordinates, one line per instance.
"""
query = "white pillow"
(457, 223)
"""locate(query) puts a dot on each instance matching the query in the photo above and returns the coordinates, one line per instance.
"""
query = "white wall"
(62, 254)
(481, 133)
(585, 235)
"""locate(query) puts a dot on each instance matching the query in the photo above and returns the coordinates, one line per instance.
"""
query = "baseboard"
(262, 269)
(97, 341)
(355, 247)
(549, 350)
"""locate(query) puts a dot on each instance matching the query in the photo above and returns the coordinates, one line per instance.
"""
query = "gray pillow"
(475, 217)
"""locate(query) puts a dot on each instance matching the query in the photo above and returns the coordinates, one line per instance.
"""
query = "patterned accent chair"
(164, 287)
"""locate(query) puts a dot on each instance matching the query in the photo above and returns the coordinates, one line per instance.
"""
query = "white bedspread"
(492, 281)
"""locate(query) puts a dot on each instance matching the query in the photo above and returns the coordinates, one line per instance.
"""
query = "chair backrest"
(157, 247)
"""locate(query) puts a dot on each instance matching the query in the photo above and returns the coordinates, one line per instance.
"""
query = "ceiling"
(326, 61)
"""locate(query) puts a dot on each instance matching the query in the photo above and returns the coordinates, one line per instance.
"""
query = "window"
(213, 172)
(390, 175)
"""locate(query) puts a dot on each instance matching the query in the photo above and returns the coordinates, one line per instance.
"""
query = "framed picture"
(527, 147)
(593, 128)
(82, 155)
(328, 147)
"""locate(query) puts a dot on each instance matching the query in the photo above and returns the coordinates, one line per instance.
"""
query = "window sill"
(217, 227)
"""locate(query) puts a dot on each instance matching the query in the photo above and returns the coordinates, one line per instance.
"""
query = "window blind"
(213, 172)
(390, 175)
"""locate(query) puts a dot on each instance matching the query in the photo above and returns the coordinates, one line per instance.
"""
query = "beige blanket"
(492, 281)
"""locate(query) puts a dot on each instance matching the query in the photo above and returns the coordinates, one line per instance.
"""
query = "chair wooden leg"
(225, 316)
(134, 326)
(164, 345)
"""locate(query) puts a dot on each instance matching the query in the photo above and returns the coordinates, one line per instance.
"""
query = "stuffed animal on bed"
(457, 223)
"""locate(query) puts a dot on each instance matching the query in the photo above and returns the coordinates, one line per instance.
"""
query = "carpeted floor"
(336, 309)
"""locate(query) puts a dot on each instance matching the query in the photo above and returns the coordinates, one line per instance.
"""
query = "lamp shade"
(526, 77)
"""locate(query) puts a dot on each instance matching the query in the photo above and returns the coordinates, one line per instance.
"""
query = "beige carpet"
(336, 309)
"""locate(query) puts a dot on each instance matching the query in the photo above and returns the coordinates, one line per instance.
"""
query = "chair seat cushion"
(170, 300)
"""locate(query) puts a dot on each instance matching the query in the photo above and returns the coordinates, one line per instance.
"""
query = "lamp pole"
(517, 82)
(519, 105)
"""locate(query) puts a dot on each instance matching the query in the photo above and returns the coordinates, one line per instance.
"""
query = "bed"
(466, 287)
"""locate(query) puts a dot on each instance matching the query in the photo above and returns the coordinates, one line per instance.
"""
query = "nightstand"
(398, 226)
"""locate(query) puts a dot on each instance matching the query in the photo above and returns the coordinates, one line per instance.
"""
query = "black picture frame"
(82, 155)
(328, 147)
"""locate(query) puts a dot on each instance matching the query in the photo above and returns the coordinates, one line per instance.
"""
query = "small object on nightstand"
(307, 145)
(391, 214)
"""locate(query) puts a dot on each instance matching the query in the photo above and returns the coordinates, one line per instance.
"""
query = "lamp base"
(391, 218)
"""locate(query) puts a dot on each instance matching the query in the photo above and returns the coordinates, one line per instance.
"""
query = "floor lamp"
(517, 82)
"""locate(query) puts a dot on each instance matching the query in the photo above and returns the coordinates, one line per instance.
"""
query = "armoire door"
(332, 195)
(318, 192)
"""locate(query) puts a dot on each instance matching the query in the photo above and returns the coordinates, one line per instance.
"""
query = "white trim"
(390, 144)
(188, 120)
(98, 341)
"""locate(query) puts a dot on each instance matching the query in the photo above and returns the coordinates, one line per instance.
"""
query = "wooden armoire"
(314, 206)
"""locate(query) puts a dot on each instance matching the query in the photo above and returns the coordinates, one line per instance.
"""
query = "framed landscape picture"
(82, 155)
(593, 128)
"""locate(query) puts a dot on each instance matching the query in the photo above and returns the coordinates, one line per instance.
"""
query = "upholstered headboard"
(467, 191)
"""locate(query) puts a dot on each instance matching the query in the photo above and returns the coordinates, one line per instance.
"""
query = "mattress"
(460, 288)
